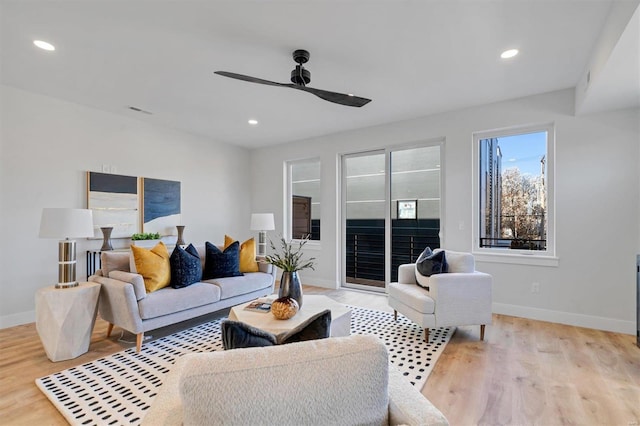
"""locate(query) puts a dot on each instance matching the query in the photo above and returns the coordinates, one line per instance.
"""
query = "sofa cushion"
(412, 296)
(153, 265)
(247, 254)
(236, 286)
(219, 264)
(170, 300)
(185, 266)
(114, 261)
(287, 384)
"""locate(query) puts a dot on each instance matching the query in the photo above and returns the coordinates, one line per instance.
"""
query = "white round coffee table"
(311, 305)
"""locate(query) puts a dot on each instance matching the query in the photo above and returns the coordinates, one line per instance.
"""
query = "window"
(513, 181)
(303, 199)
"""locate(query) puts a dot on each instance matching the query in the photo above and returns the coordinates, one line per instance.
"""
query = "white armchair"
(462, 296)
(335, 381)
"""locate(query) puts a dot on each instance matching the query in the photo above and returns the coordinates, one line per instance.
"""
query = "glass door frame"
(440, 142)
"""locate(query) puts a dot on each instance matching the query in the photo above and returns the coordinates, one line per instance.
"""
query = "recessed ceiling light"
(44, 45)
(253, 122)
(509, 53)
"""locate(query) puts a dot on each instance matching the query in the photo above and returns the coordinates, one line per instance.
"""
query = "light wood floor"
(525, 372)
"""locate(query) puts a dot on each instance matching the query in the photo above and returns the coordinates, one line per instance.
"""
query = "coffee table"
(311, 305)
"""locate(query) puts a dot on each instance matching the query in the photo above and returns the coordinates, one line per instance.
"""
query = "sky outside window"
(524, 152)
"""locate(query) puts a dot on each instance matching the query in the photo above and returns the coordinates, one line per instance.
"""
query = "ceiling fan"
(300, 77)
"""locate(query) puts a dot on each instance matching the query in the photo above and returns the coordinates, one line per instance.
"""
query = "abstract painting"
(160, 206)
(115, 202)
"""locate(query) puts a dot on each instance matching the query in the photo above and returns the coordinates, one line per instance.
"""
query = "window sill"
(517, 259)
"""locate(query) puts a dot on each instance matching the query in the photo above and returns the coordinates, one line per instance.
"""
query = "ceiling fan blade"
(338, 98)
(250, 79)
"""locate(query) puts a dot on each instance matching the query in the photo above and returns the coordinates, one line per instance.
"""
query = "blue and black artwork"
(161, 198)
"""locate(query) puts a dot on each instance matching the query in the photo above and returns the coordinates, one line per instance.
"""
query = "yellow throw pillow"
(247, 254)
(153, 265)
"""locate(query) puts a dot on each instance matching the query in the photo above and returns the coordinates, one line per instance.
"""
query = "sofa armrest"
(265, 267)
(118, 304)
(407, 406)
(407, 273)
(134, 279)
(462, 298)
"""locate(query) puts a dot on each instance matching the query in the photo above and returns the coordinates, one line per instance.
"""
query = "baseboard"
(322, 283)
(20, 318)
(569, 318)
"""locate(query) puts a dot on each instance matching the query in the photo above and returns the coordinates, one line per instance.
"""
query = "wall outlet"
(535, 287)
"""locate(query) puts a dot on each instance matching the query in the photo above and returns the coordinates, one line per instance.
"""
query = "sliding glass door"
(391, 203)
(415, 204)
(364, 214)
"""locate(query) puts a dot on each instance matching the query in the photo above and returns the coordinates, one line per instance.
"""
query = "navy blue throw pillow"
(237, 334)
(220, 264)
(186, 268)
(430, 263)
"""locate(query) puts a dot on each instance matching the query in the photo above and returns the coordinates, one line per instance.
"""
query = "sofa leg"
(109, 330)
(426, 335)
(395, 315)
(139, 339)
(482, 332)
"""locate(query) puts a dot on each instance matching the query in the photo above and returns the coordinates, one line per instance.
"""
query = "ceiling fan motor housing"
(300, 76)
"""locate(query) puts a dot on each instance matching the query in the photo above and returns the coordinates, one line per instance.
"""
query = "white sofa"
(125, 303)
(336, 381)
(459, 297)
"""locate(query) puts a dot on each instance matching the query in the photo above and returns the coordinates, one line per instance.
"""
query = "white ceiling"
(413, 58)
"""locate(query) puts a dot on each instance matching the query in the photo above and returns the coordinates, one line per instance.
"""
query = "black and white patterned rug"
(118, 389)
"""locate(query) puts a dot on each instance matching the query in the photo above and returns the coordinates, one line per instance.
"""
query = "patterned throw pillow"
(220, 264)
(153, 265)
(247, 254)
(185, 266)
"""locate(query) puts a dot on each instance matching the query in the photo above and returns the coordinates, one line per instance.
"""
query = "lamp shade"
(262, 222)
(66, 223)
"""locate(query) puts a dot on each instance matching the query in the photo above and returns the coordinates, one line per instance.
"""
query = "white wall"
(597, 219)
(46, 147)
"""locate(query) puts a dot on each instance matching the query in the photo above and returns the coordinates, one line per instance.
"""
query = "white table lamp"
(262, 222)
(66, 223)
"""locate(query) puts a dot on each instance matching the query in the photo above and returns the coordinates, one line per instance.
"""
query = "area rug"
(119, 388)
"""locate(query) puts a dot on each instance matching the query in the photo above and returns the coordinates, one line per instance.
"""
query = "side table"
(65, 319)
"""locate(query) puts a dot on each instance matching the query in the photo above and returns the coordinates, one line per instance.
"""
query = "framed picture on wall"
(114, 201)
(160, 206)
(407, 209)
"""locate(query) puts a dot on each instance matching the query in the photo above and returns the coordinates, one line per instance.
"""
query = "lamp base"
(67, 264)
(262, 244)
